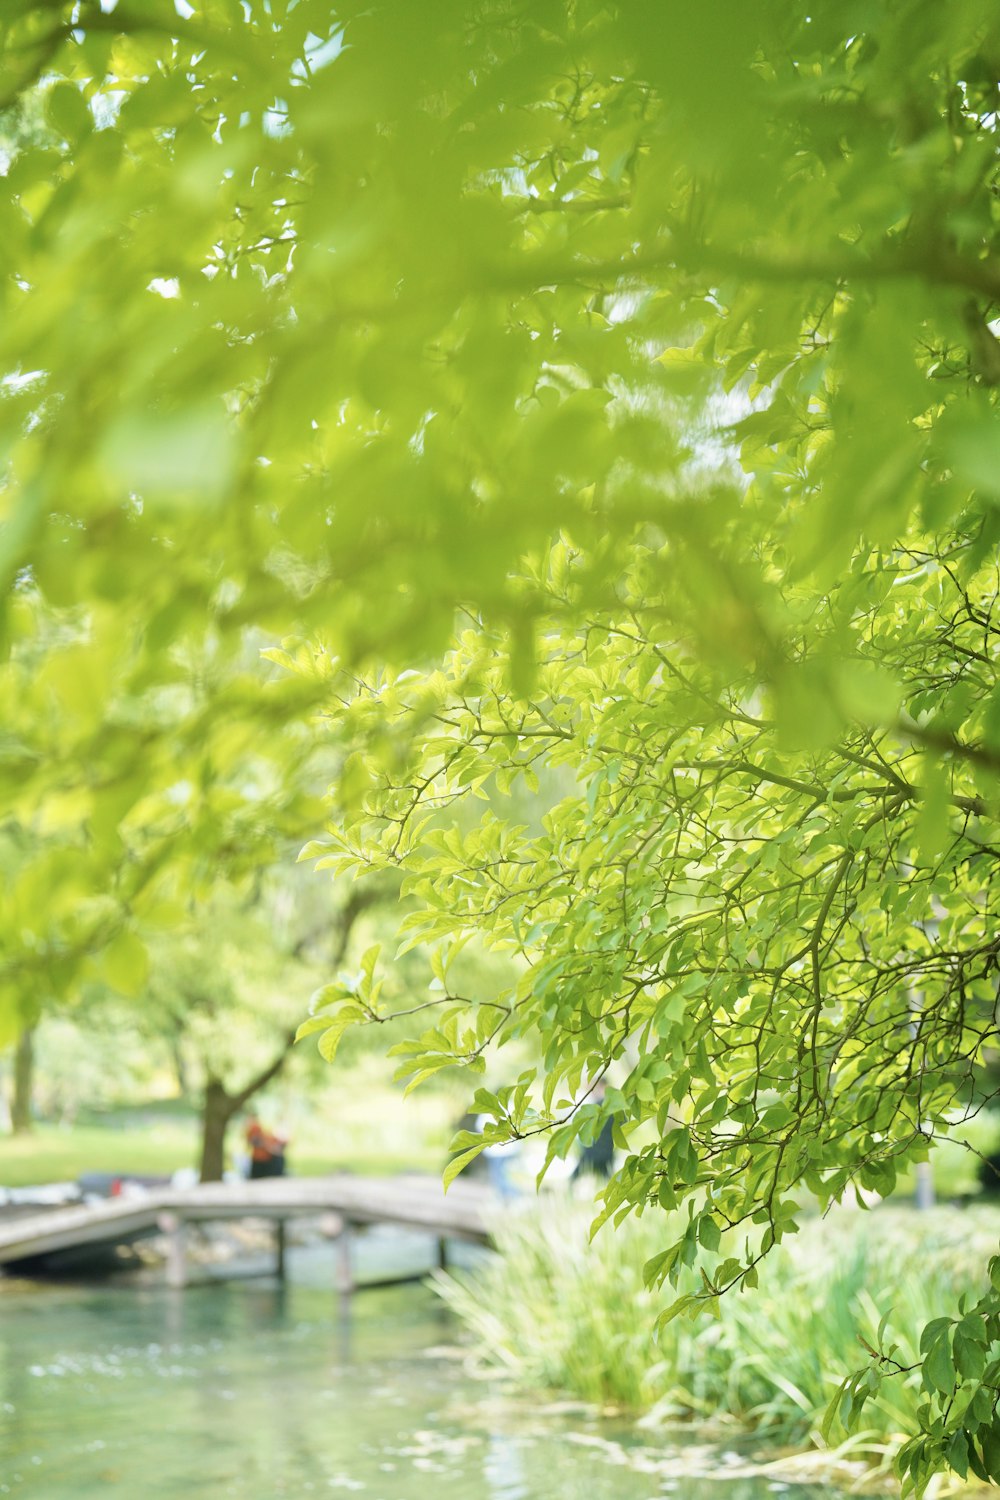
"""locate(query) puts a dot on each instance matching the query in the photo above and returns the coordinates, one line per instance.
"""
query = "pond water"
(250, 1389)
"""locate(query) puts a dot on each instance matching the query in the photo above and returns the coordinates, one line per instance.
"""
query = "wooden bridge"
(410, 1202)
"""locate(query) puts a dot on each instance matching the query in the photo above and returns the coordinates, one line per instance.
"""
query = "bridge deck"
(412, 1202)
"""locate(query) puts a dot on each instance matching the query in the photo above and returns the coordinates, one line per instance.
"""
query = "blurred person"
(266, 1150)
(598, 1159)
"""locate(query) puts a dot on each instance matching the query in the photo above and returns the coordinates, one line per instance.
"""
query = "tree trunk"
(218, 1110)
(180, 1065)
(221, 1105)
(24, 1072)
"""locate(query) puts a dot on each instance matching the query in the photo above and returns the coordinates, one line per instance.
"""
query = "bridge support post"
(173, 1226)
(344, 1276)
(279, 1246)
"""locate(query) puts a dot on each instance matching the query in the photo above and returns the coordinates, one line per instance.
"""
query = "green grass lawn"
(54, 1153)
(369, 1130)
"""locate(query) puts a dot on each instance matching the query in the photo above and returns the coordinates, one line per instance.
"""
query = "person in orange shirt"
(267, 1150)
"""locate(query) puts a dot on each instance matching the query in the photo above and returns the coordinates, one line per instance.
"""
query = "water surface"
(252, 1390)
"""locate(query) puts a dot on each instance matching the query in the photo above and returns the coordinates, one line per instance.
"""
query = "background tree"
(233, 989)
(117, 830)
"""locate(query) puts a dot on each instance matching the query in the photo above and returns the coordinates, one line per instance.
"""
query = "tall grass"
(561, 1314)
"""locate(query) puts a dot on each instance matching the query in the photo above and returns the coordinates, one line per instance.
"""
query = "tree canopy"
(635, 362)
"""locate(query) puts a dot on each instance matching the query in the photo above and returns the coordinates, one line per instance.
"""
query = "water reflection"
(258, 1391)
(503, 1469)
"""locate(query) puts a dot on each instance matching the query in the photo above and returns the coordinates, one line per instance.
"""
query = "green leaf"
(331, 1038)
(310, 1026)
(708, 1232)
(66, 111)
(125, 963)
(932, 828)
(939, 1369)
(460, 1162)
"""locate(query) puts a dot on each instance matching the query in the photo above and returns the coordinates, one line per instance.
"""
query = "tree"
(116, 831)
(20, 1098)
(233, 989)
(416, 312)
(783, 948)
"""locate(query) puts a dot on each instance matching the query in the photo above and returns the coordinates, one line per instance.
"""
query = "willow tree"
(333, 323)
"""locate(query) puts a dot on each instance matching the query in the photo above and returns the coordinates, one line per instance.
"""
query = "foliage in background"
(558, 1312)
(395, 298)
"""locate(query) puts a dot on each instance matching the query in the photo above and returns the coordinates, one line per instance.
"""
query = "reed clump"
(560, 1313)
